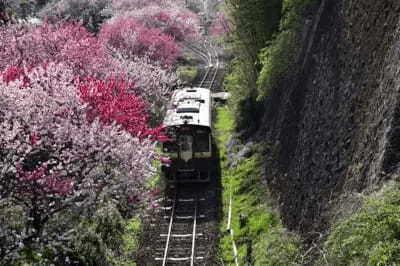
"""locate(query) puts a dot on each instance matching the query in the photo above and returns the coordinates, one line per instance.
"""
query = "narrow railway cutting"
(183, 230)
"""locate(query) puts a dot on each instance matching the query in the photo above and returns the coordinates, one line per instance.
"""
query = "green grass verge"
(258, 232)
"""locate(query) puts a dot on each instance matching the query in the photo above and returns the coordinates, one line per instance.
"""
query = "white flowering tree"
(65, 150)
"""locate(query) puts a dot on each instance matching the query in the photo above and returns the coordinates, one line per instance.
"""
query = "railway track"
(209, 54)
(187, 212)
(184, 229)
(185, 239)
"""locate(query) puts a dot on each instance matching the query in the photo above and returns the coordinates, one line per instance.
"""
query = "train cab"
(188, 127)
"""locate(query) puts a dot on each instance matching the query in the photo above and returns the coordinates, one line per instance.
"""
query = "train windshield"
(185, 143)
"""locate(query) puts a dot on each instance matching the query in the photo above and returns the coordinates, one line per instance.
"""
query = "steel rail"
(192, 258)
(171, 221)
(216, 69)
(199, 52)
(205, 76)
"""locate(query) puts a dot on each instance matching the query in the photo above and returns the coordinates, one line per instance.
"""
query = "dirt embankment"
(334, 127)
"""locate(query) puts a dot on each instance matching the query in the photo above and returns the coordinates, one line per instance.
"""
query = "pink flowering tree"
(128, 37)
(63, 151)
(112, 103)
(220, 25)
(152, 83)
(69, 43)
(178, 22)
(116, 55)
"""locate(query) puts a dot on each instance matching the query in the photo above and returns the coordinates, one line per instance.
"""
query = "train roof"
(191, 106)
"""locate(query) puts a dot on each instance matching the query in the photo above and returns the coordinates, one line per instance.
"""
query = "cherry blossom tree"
(64, 151)
(111, 102)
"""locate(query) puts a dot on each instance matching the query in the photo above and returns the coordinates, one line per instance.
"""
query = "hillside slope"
(333, 126)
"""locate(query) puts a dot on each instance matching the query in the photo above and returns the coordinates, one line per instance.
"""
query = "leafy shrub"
(277, 247)
(280, 53)
(102, 239)
(371, 236)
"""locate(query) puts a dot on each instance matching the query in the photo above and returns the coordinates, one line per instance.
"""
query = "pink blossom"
(176, 21)
(34, 138)
(165, 160)
(130, 38)
(220, 25)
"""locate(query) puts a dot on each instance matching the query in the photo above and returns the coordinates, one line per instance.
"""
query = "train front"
(189, 149)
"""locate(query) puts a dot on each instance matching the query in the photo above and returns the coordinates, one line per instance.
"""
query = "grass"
(258, 231)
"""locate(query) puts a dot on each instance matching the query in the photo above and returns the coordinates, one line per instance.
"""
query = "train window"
(202, 142)
(185, 143)
(187, 110)
(170, 147)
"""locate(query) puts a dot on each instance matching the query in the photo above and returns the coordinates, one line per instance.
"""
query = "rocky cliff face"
(333, 127)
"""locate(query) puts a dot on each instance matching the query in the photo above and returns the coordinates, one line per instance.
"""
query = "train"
(188, 127)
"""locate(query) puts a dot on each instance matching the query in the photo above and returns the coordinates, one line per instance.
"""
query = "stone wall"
(332, 126)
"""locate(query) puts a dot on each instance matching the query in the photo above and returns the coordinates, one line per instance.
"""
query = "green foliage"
(276, 59)
(107, 239)
(100, 237)
(371, 236)
(277, 247)
(254, 22)
(280, 53)
(265, 45)
(258, 231)
(243, 99)
(187, 73)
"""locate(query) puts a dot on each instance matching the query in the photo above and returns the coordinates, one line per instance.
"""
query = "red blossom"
(111, 102)
(47, 183)
(34, 138)
(12, 73)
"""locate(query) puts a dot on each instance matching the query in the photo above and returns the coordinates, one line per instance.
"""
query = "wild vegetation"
(259, 234)
(264, 40)
(253, 24)
(362, 236)
(82, 93)
(371, 235)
